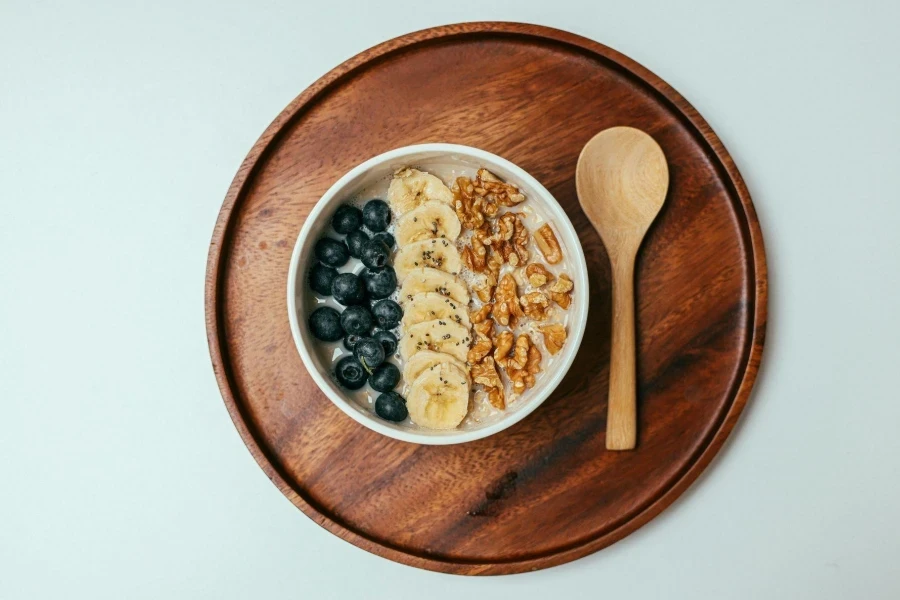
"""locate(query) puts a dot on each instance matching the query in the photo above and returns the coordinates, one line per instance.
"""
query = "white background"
(121, 127)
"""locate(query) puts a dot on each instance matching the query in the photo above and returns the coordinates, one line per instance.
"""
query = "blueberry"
(348, 289)
(391, 407)
(376, 215)
(369, 352)
(350, 341)
(325, 324)
(388, 341)
(357, 320)
(387, 314)
(387, 238)
(375, 254)
(350, 373)
(332, 252)
(320, 278)
(355, 241)
(346, 219)
(380, 283)
(385, 378)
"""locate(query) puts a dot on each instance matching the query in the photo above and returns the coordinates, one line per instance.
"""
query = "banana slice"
(436, 335)
(431, 305)
(437, 254)
(439, 398)
(427, 360)
(428, 220)
(426, 279)
(409, 188)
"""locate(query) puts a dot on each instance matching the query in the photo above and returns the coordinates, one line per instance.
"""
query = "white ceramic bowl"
(380, 168)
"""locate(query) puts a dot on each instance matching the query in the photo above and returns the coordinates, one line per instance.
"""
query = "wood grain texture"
(544, 491)
(622, 179)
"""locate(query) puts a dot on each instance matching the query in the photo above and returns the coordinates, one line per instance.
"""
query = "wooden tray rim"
(379, 52)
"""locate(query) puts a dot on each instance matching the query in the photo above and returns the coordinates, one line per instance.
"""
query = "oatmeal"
(460, 304)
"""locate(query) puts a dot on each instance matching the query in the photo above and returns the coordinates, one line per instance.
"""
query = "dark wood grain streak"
(545, 491)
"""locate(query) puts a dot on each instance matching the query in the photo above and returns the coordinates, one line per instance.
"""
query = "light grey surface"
(121, 475)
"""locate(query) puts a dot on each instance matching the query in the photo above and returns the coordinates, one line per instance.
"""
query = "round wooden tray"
(545, 491)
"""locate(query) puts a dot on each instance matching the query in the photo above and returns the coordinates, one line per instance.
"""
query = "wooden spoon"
(622, 179)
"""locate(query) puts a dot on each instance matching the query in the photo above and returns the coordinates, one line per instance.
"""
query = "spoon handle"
(621, 420)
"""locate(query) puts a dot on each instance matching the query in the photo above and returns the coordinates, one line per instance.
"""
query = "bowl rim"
(577, 327)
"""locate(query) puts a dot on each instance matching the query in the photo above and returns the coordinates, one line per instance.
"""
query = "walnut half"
(483, 343)
(524, 378)
(554, 337)
(519, 242)
(538, 274)
(504, 229)
(506, 302)
(519, 357)
(485, 373)
(484, 286)
(548, 244)
(496, 191)
(469, 207)
(494, 263)
(510, 239)
(477, 316)
(561, 291)
(536, 305)
(503, 343)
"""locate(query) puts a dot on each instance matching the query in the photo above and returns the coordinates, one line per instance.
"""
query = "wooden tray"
(545, 491)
